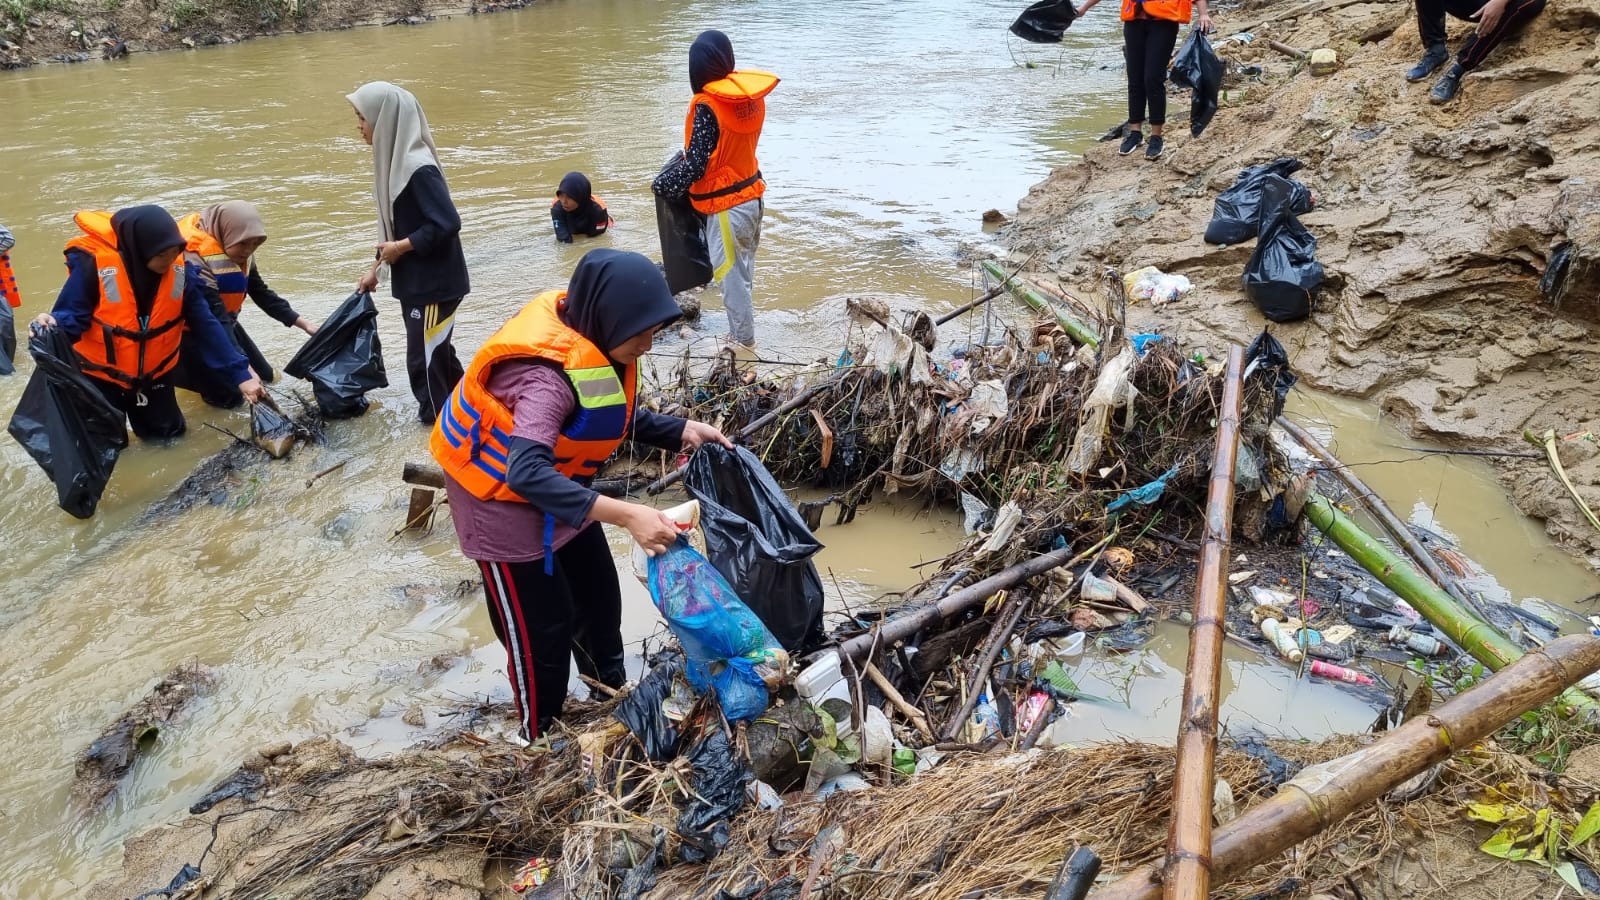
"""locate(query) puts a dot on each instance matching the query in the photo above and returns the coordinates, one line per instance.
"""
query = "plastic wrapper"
(718, 778)
(344, 359)
(1198, 68)
(685, 259)
(728, 647)
(1283, 271)
(1150, 283)
(1045, 22)
(647, 710)
(759, 542)
(1236, 213)
(66, 425)
(271, 430)
(1267, 355)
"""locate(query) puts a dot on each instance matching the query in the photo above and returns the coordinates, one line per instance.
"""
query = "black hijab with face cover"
(710, 59)
(616, 295)
(143, 232)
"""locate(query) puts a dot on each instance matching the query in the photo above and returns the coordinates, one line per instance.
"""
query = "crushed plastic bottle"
(1416, 643)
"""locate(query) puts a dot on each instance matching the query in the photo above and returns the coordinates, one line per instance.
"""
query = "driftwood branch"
(793, 403)
(1010, 615)
(912, 714)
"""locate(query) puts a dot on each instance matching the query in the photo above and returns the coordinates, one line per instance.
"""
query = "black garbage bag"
(684, 255)
(1283, 271)
(1267, 355)
(1045, 22)
(1235, 215)
(757, 540)
(642, 712)
(1198, 68)
(718, 776)
(8, 338)
(66, 425)
(344, 359)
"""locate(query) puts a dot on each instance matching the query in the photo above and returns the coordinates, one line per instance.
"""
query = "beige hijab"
(232, 222)
(401, 144)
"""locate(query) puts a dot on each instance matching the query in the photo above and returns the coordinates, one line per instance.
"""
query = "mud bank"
(33, 32)
(1436, 225)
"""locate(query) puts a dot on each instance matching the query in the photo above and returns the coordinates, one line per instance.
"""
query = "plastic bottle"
(985, 718)
(1416, 643)
(1329, 670)
(1282, 641)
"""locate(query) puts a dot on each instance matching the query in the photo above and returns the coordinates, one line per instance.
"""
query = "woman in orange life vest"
(577, 210)
(719, 171)
(126, 301)
(222, 241)
(545, 402)
(1149, 32)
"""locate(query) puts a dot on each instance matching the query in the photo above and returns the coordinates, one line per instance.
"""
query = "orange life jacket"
(732, 175)
(472, 438)
(1170, 10)
(8, 282)
(207, 252)
(119, 345)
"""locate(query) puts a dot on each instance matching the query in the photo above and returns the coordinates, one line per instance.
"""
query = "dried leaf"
(1503, 844)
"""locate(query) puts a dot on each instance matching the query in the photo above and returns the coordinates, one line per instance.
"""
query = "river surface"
(897, 124)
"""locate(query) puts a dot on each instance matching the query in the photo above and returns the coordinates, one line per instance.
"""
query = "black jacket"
(435, 270)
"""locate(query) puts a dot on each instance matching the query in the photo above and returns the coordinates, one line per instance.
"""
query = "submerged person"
(577, 210)
(1497, 20)
(127, 300)
(222, 241)
(719, 173)
(421, 237)
(545, 402)
(1149, 34)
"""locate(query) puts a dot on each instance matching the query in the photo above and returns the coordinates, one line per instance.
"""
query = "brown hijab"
(232, 222)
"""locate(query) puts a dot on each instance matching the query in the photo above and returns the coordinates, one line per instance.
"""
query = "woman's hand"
(253, 390)
(1087, 5)
(305, 325)
(44, 320)
(391, 251)
(1489, 16)
(697, 434)
(368, 283)
(1203, 22)
(651, 528)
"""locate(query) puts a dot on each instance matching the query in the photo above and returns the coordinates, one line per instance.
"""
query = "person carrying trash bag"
(125, 304)
(222, 241)
(545, 402)
(1149, 32)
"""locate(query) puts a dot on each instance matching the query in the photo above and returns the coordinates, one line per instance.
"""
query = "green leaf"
(1569, 874)
(1552, 843)
(1587, 828)
(1503, 844)
(830, 729)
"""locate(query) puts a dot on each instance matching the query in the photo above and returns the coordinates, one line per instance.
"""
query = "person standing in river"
(719, 172)
(544, 404)
(420, 233)
(1497, 20)
(1149, 34)
(222, 241)
(131, 348)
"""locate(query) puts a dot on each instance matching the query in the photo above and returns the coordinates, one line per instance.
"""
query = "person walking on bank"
(544, 403)
(719, 172)
(577, 210)
(1149, 34)
(1497, 20)
(130, 348)
(222, 241)
(421, 237)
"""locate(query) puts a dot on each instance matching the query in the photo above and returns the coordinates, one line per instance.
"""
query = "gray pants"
(731, 237)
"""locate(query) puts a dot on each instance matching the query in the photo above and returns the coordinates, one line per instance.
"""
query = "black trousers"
(1431, 19)
(431, 362)
(153, 412)
(1147, 48)
(545, 620)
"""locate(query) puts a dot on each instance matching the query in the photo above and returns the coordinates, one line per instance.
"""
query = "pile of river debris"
(923, 750)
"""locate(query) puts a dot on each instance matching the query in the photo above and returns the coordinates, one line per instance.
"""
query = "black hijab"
(615, 295)
(576, 186)
(710, 59)
(143, 232)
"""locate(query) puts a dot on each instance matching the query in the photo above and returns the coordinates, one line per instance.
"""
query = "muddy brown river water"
(897, 124)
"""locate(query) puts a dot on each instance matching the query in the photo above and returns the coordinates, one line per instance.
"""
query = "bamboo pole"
(1188, 864)
(1385, 516)
(1069, 323)
(792, 404)
(1309, 804)
(1486, 644)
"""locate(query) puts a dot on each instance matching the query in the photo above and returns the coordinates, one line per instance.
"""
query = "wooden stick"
(988, 295)
(1443, 452)
(1130, 597)
(794, 403)
(1287, 50)
(424, 474)
(328, 471)
(913, 715)
(1303, 808)
(1188, 863)
(1018, 602)
(597, 685)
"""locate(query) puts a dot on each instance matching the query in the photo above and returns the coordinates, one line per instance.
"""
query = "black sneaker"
(1131, 142)
(1431, 60)
(1444, 90)
(1153, 149)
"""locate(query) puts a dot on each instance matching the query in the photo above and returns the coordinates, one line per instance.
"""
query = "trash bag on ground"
(66, 425)
(717, 779)
(1268, 355)
(1283, 271)
(1235, 216)
(1198, 68)
(8, 339)
(684, 257)
(727, 646)
(270, 429)
(344, 359)
(645, 712)
(759, 542)
(1045, 22)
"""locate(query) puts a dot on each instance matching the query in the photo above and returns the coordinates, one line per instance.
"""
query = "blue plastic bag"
(725, 642)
